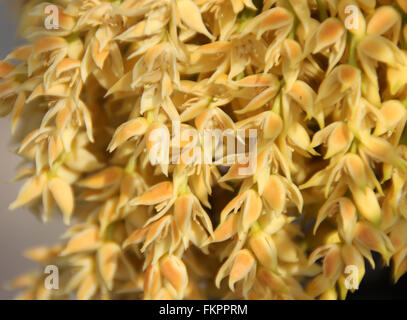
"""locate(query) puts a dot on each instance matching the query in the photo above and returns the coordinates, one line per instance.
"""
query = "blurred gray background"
(19, 229)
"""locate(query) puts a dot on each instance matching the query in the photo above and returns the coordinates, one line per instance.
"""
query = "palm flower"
(326, 97)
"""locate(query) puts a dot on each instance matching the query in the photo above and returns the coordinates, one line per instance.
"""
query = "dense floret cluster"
(322, 82)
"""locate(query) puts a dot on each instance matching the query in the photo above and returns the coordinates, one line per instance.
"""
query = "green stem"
(403, 15)
(240, 76)
(255, 227)
(57, 164)
(183, 188)
(276, 108)
(72, 37)
(109, 231)
(403, 138)
(150, 116)
(131, 164)
(322, 11)
(296, 20)
(244, 17)
(352, 50)
(354, 146)
(277, 104)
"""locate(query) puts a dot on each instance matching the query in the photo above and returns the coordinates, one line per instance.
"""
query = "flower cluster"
(323, 82)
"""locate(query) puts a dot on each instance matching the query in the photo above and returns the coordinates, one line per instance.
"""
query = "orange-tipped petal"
(373, 239)
(259, 101)
(191, 16)
(348, 219)
(243, 263)
(124, 132)
(108, 257)
(318, 285)
(252, 209)
(152, 281)
(49, 44)
(102, 179)
(265, 250)
(332, 265)
(174, 270)
(226, 229)
(63, 195)
(84, 241)
(367, 204)
(339, 140)
(160, 192)
(183, 211)
(273, 125)
(275, 193)
(156, 230)
(87, 288)
(400, 263)
(30, 191)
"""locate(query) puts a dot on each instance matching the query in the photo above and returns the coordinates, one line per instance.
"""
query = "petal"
(233, 205)
(287, 250)
(398, 234)
(381, 150)
(378, 48)
(367, 204)
(243, 263)
(258, 80)
(183, 211)
(156, 230)
(127, 130)
(63, 195)
(136, 237)
(373, 239)
(318, 285)
(339, 140)
(332, 265)
(84, 241)
(252, 209)
(108, 257)
(382, 20)
(6, 68)
(49, 44)
(87, 288)
(191, 16)
(30, 191)
(328, 33)
(273, 125)
(275, 193)
(173, 269)
(226, 229)
(348, 219)
(259, 101)
(213, 47)
(265, 250)
(158, 193)
(18, 110)
(152, 281)
(102, 179)
(356, 170)
(400, 263)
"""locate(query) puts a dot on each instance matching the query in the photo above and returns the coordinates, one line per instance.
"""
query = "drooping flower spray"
(109, 104)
